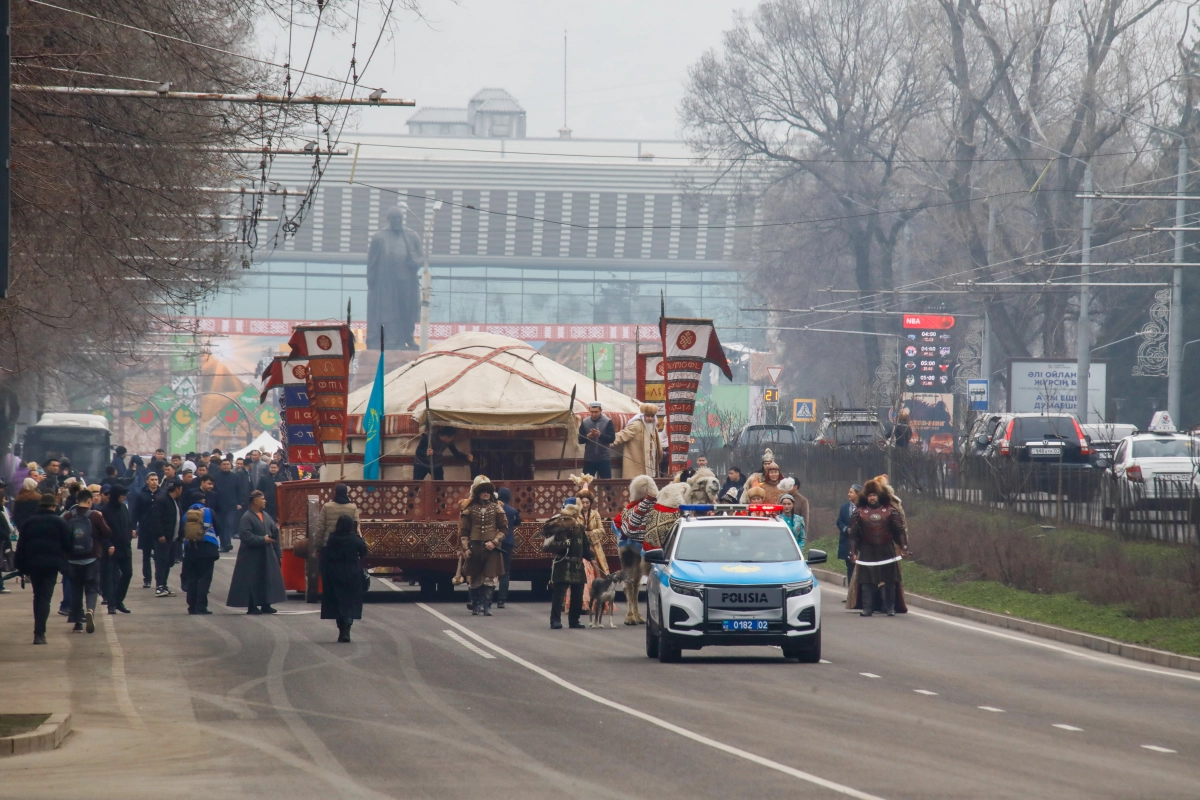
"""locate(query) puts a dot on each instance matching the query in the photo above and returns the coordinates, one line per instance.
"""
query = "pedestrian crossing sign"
(804, 409)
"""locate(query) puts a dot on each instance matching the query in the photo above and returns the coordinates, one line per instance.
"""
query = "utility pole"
(1083, 328)
(985, 350)
(1175, 342)
(5, 145)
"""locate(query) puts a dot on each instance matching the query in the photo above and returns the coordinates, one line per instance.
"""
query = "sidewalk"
(134, 733)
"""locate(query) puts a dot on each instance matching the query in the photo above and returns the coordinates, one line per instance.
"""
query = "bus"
(82, 439)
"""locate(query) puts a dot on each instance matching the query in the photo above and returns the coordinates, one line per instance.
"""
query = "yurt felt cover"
(484, 381)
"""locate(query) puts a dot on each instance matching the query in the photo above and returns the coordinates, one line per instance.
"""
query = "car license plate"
(745, 625)
(1045, 451)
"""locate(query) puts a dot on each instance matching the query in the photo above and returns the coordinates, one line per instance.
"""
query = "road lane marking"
(925, 692)
(120, 684)
(823, 661)
(653, 720)
(1066, 727)
(991, 708)
(1112, 661)
(469, 645)
(1158, 749)
(868, 674)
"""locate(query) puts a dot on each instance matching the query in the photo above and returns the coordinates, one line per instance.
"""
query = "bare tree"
(115, 221)
(813, 99)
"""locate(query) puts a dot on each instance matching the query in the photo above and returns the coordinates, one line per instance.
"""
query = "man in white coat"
(640, 446)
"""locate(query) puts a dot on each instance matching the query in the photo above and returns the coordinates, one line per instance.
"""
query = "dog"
(601, 595)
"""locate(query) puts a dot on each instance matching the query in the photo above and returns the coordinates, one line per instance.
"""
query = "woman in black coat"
(342, 584)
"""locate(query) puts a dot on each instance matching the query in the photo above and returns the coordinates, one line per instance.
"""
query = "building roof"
(496, 100)
(435, 116)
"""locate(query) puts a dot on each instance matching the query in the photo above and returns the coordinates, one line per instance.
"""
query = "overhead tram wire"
(169, 37)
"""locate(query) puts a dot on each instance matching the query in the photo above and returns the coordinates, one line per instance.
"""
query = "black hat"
(117, 491)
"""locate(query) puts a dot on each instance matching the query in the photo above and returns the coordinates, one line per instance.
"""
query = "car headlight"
(797, 589)
(693, 589)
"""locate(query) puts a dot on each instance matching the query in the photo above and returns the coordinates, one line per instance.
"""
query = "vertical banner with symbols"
(688, 344)
(651, 378)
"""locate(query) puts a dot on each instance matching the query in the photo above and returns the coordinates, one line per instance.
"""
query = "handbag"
(366, 577)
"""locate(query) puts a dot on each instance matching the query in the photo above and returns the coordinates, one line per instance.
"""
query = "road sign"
(977, 392)
(804, 409)
(770, 395)
(773, 373)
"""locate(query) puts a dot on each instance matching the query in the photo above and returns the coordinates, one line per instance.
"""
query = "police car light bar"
(766, 508)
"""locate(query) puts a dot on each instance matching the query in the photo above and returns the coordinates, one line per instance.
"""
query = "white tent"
(483, 381)
(265, 443)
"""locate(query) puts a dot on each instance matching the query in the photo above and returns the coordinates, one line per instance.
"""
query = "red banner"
(651, 378)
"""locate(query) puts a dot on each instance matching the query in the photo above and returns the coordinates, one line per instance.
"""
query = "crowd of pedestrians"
(58, 529)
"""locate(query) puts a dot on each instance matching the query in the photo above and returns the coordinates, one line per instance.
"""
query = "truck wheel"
(539, 587)
(445, 589)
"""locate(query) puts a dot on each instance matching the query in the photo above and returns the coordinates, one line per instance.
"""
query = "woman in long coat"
(342, 576)
(594, 528)
(481, 529)
(257, 579)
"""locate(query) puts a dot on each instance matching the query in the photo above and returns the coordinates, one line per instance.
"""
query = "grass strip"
(15, 724)
(1064, 610)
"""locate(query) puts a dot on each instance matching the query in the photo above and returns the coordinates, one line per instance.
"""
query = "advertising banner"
(1044, 386)
(602, 356)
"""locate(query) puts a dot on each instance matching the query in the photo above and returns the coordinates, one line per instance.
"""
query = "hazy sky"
(627, 59)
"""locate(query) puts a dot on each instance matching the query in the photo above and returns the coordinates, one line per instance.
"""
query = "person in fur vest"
(566, 539)
(878, 539)
(640, 447)
(481, 528)
(630, 525)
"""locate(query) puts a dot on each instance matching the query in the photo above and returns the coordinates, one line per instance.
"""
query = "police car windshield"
(1164, 448)
(745, 543)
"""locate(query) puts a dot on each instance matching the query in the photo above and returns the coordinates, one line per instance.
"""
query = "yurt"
(508, 404)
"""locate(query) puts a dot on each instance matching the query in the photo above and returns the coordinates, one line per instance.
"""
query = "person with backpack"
(90, 536)
(201, 549)
(43, 546)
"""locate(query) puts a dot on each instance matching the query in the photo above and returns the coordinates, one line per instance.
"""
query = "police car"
(732, 580)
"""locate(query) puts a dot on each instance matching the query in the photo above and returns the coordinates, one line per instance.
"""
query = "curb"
(1147, 655)
(48, 736)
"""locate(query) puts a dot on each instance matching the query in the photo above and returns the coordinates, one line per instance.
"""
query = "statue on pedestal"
(393, 284)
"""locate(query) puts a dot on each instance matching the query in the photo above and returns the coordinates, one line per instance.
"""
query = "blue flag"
(373, 426)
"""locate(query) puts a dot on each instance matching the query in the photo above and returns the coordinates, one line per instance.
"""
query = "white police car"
(732, 580)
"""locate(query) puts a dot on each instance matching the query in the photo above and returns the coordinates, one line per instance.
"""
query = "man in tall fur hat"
(640, 448)
(566, 539)
(878, 538)
(630, 525)
(481, 528)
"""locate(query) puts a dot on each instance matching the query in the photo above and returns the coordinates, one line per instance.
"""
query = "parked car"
(1156, 472)
(766, 434)
(850, 427)
(1104, 438)
(1052, 449)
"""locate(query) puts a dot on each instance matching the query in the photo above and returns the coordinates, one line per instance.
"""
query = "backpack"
(193, 525)
(81, 536)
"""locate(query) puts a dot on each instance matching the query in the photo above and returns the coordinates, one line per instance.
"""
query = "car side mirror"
(982, 440)
(654, 556)
(817, 557)
(1088, 436)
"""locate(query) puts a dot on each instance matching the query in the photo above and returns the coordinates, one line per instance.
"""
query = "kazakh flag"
(373, 422)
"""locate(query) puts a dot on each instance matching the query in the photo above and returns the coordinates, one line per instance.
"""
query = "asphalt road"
(431, 702)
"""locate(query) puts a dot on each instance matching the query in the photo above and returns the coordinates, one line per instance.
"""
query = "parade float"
(514, 412)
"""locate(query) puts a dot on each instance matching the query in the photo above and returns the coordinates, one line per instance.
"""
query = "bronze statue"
(393, 284)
